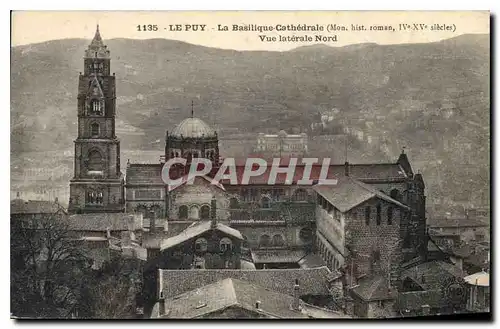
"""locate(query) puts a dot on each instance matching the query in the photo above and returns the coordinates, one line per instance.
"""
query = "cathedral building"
(374, 210)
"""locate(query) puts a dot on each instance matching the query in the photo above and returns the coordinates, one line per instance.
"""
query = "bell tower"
(97, 184)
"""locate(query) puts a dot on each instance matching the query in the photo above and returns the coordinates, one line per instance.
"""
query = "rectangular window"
(389, 215)
(379, 214)
(367, 215)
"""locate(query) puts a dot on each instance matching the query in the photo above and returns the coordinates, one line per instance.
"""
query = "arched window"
(265, 202)
(225, 244)
(200, 245)
(94, 198)
(390, 213)
(306, 234)
(264, 241)
(194, 212)
(183, 212)
(379, 214)
(278, 240)
(95, 161)
(205, 212)
(300, 195)
(395, 194)
(94, 129)
(142, 210)
(233, 203)
(95, 107)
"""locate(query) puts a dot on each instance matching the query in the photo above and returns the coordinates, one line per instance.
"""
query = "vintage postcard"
(235, 165)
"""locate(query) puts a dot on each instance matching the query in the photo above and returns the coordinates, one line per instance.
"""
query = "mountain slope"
(431, 98)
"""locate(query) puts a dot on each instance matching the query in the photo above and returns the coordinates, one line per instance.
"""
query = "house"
(435, 287)
(234, 298)
(373, 297)
(315, 283)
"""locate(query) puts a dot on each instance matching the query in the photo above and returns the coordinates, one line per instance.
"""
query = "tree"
(112, 292)
(47, 267)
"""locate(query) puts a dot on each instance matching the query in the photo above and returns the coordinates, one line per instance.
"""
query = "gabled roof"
(432, 275)
(376, 288)
(19, 206)
(101, 222)
(196, 230)
(231, 292)
(349, 193)
(312, 281)
(185, 180)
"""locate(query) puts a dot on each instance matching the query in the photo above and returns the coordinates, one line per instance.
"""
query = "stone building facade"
(282, 144)
(97, 184)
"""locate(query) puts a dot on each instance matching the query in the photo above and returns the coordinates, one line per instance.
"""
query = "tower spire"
(97, 37)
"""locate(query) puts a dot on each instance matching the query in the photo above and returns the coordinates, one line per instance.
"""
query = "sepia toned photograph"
(263, 165)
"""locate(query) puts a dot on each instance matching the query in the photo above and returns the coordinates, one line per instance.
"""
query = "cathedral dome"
(193, 128)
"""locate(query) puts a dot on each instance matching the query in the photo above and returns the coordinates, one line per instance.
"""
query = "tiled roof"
(349, 192)
(144, 174)
(311, 261)
(103, 221)
(414, 300)
(277, 256)
(19, 206)
(455, 222)
(368, 172)
(375, 288)
(231, 292)
(311, 281)
(479, 259)
(195, 230)
(432, 275)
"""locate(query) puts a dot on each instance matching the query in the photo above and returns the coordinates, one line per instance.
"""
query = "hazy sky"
(32, 27)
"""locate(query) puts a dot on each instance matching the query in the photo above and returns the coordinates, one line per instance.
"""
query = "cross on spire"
(192, 109)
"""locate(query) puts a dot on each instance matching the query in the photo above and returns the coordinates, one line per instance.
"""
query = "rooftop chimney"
(213, 212)
(296, 296)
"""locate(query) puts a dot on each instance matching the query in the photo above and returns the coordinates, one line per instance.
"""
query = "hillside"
(431, 98)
